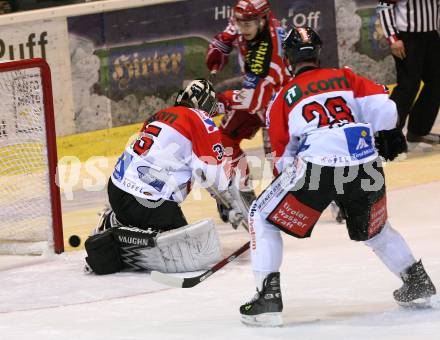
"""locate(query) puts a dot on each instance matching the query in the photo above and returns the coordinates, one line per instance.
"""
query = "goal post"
(30, 208)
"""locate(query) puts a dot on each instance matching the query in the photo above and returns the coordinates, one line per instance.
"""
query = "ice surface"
(333, 288)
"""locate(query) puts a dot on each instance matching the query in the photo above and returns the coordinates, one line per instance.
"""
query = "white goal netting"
(26, 225)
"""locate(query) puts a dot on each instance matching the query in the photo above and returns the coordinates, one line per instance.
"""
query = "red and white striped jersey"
(173, 145)
(261, 61)
(329, 117)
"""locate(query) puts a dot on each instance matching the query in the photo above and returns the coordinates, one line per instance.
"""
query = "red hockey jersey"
(261, 61)
(329, 117)
(174, 145)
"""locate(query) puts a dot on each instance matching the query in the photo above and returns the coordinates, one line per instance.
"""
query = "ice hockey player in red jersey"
(145, 227)
(328, 128)
(258, 35)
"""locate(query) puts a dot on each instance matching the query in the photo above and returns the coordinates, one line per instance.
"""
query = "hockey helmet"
(198, 94)
(302, 44)
(251, 9)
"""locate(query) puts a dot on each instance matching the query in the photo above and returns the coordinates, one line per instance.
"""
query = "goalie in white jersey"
(327, 128)
(145, 227)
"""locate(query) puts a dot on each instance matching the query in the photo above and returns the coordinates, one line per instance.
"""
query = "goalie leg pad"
(134, 243)
(189, 248)
(103, 253)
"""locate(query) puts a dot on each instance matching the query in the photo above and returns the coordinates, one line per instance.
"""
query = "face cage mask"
(208, 104)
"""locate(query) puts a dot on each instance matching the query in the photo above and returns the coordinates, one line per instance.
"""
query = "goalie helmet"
(302, 44)
(198, 94)
(251, 9)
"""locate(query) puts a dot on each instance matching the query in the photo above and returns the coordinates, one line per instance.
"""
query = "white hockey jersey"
(174, 146)
(329, 117)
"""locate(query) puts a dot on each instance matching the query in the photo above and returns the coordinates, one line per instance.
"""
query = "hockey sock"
(392, 249)
(266, 248)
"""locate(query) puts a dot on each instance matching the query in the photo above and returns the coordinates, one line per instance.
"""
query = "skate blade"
(87, 269)
(421, 303)
(263, 320)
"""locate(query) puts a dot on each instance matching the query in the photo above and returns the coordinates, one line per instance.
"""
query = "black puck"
(74, 241)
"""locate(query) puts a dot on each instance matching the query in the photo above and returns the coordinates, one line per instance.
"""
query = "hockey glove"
(390, 143)
(235, 217)
(223, 211)
(228, 208)
(225, 100)
(215, 59)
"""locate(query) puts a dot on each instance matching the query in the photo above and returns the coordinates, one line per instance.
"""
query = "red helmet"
(251, 9)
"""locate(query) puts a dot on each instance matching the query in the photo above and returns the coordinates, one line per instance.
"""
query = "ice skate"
(264, 310)
(417, 288)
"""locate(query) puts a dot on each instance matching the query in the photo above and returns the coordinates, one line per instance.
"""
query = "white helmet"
(198, 94)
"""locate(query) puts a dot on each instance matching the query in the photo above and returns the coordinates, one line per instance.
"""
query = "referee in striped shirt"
(411, 27)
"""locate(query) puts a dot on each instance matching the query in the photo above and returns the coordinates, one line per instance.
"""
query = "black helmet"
(198, 94)
(302, 44)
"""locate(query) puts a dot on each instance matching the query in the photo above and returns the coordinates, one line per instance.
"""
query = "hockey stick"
(267, 147)
(189, 282)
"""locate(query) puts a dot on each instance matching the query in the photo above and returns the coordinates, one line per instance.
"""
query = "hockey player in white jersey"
(327, 128)
(145, 227)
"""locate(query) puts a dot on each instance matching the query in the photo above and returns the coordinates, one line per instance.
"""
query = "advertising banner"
(127, 64)
(372, 41)
(44, 39)
(361, 42)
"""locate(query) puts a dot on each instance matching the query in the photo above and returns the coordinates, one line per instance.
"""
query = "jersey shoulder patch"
(207, 121)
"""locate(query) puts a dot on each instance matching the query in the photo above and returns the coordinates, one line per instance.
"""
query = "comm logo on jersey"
(293, 95)
(359, 142)
(296, 92)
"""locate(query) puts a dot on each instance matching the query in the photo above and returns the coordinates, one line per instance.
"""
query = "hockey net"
(30, 210)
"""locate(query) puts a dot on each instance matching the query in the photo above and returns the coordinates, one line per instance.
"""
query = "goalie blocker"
(189, 248)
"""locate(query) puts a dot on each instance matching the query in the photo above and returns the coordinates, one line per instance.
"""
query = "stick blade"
(166, 279)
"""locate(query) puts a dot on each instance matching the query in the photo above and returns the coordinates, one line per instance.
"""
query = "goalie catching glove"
(390, 143)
